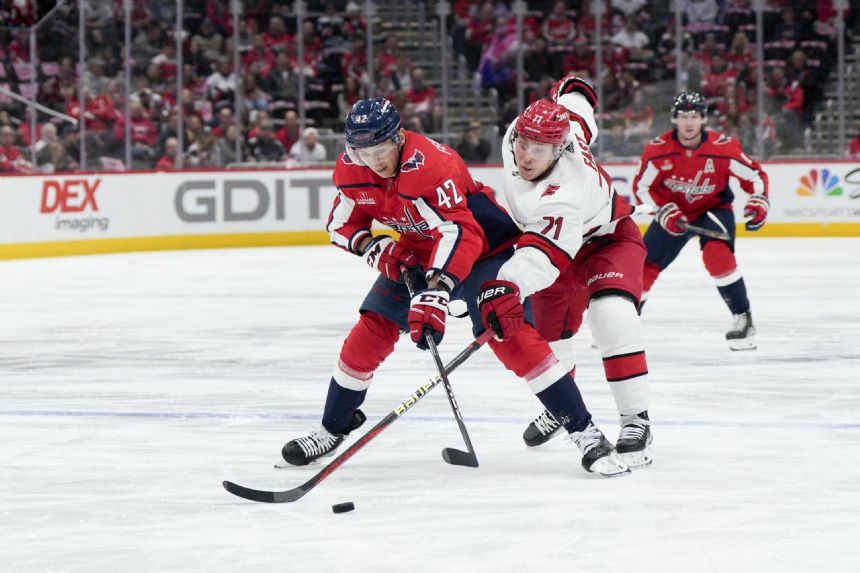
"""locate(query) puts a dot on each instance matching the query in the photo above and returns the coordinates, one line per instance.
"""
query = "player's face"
(689, 124)
(533, 158)
(382, 158)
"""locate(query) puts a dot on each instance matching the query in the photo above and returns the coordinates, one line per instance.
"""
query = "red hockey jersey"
(445, 216)
(697, 180)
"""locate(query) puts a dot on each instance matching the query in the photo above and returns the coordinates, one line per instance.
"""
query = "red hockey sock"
(369, 343)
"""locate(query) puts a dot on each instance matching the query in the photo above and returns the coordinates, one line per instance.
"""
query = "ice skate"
(598, 456)
(541, 430)
(742, 334)
(318, 444)
(633, 443)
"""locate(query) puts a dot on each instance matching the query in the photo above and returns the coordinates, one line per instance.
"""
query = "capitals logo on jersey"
(692, 190)
(413, 163)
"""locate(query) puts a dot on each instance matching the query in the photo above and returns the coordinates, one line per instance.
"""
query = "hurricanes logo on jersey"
(413, 163)
(550, 190)
(692, 190)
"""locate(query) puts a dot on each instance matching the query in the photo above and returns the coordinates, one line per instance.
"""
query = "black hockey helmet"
(689, 101)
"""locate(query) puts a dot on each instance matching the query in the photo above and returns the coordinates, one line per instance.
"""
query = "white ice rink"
(131, 385)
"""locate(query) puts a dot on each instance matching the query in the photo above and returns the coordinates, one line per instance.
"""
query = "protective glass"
(540, 151)
(365, 156)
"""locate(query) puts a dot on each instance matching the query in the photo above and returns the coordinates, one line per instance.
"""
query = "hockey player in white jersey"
(579, 250)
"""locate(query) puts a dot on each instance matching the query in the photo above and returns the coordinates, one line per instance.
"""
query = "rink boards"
(87, 213)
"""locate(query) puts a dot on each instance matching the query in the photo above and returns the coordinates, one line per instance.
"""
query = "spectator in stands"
(422, 96)
(95, 77)
(48, 136)
(786, 105)
(221, 83)
(354, 61)
(171, 152)
(580, 61)
(166, 59)
(252, 97)
(472, 147)
(146, 45)
(633, 40)
(707, 50)
(144, 134)
(222, 121)
(352, 92)
(289, 133)
(263, 147)
(201, 152)
(809, 79)
(276, 36)
(281, 83)
(740, 54)
(206, 45)
(628, 7)
(558, 28)
(478, 33)
(538, 61)
(386, 61)
(308, 151)
(260, 54)
(330, 26)
(71, 144)
(716, 78)
(852, 150)
(701, 13)
(224, 152)
(638, 120)
(354, 24)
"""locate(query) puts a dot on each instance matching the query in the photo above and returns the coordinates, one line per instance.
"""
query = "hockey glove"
(501, 309)
(669, 216)
(428, 309)
(755, 212)
(573, 84)
(386, 255)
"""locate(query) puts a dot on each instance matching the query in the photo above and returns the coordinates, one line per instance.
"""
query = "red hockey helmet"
(544, 121)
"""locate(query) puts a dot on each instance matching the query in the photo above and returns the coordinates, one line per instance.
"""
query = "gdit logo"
(829, 183)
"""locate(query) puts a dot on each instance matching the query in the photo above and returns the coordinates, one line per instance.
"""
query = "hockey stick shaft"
(450, 455)
(296, 493)
(705, 232)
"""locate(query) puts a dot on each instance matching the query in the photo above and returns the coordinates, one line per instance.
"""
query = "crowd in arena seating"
(637, 49)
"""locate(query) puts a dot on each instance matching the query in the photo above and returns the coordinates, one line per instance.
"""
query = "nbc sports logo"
(829, 183)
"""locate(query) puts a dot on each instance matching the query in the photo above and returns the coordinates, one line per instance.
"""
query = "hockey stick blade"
(297, 493)
(459, 458)
(705, 232)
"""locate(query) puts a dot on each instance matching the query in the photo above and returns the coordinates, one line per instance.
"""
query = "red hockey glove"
(501, 309)
(386, 255)
(428, 309)
(755, 211)
(573, 84)
(669, 216)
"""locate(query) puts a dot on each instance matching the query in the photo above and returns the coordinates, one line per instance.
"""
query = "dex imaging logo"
(824, 182)
(74, 201)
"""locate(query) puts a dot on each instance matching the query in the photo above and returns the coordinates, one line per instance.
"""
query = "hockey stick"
(450, 455)
(704, 232)
(297, 492)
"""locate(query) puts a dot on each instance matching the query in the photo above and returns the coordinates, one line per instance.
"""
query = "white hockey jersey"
(573, 203)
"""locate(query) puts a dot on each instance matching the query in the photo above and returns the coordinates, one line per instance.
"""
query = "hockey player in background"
(456, 237)
(580, 249)
(685, 173)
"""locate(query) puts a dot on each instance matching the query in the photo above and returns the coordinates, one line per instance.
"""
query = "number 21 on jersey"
(446, 193)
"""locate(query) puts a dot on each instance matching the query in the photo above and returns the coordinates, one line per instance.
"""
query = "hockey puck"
(343, 507)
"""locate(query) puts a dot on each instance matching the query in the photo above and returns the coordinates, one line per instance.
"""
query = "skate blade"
(609, 466)
(742, 344)
(636, 460)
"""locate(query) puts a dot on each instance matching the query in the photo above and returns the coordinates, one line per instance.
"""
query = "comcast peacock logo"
(829, 183)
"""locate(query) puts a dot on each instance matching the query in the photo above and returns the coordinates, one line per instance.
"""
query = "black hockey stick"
(705, 232)
(450, 455)
(297, 492)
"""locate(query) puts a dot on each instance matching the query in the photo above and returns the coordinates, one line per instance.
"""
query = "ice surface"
(131, 385)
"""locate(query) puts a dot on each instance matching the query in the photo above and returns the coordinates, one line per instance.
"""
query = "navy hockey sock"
(564, 402)
(339, 407)
(735, 296)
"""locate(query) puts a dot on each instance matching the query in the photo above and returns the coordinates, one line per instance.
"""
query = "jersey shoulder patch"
(415, 162)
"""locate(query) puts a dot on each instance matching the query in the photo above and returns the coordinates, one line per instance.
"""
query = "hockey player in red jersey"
(579, 250)
(455, 237)
(685, 173)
